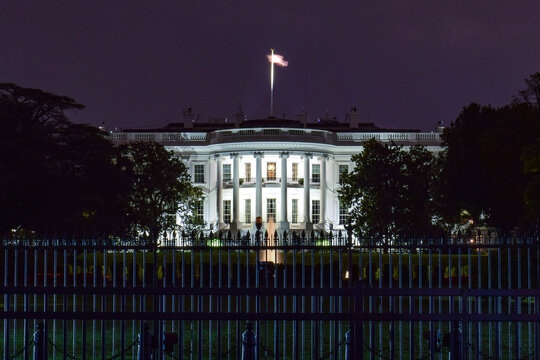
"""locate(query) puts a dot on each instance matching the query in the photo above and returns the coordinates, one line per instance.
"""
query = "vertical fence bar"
(6, 306)
(192, 305)
(15, 282)
(103, 305)
(296, 352)
(411, 309)
(26, 306)
(74, 323)
(123, 307)
(490, 305)
(372, 329)
(498, 335)
(200, 306)
(509, 298)
(94, 301)
(210, 274)
(84, 299)
(114, 284)
(519, 342)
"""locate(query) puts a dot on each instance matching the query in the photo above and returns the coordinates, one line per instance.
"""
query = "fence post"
(40, 345)
(348, 345)
(146, 343)
(249, 343)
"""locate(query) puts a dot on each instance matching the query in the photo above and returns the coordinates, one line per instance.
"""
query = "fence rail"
(316, 298)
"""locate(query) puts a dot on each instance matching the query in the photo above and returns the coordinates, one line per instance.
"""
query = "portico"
(279, 197)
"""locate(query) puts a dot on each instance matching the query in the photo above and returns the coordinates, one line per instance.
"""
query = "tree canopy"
(388, 191)
(160, 187)
(482, 175)
(58, 176)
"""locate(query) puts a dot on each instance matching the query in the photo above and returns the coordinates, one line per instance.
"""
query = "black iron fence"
(306, 297)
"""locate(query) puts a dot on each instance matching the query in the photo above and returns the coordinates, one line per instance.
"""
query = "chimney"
(440, 127)
(353, 116)
(239, 118)
(302, 117)
(188, 118)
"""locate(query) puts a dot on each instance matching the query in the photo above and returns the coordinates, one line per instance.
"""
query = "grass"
(203, 335)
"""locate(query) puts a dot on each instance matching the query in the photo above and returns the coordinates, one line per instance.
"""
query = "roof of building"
(328, 124)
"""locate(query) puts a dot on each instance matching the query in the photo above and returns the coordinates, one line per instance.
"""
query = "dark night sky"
(139, 63)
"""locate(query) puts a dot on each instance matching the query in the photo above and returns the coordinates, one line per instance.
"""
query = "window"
(271, 171)
(226, 172)
(271, 210)
(227, 211)
(247, 210)
(316, 173)
(198, 172)
(343, 213)
(199, 212)
(315, 211)
(343, 170)
(294, 211)
(294, 171)
(248, 174)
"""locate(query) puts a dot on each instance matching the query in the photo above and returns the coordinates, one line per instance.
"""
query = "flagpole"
(272, 83)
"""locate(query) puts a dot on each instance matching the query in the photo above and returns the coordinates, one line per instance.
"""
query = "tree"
(462, 190)
(54, 175)
(388, 191)
(531, 94)
(160, 188)
(482, 179)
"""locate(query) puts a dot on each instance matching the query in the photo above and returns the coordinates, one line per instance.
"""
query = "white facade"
(254, 168)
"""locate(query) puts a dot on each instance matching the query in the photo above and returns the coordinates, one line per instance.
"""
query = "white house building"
(286, 171)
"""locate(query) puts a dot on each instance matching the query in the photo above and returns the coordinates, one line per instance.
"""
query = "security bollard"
(348, 345)
(249, 343)
(40, 345)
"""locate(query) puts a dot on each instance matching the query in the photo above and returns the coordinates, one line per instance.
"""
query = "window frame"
(316, 176)
(294, 211)
(247, 174)
(343, 213)
(227, 213)
(342, 173)
(197, 174)
(270, 171)
(270, 201)
(315, 205)
(199, 211)
(294, 171)
(247, 211)
(228, 173)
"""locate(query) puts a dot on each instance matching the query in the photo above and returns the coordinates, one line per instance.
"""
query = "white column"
(323, 190)
(236, 193)
(258, 184)
(219, 190)
(307, 201)
(284, 223)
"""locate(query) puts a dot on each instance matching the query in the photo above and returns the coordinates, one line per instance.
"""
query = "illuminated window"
(294, 211)
(271, 171)
(343, 213)
(343, 170)
(294, 171)
(248, 172)
(315, 211)
(226, 172)
(271, 210)
(316, 173)
(198, 173)
(247, 210)
(227, 211)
